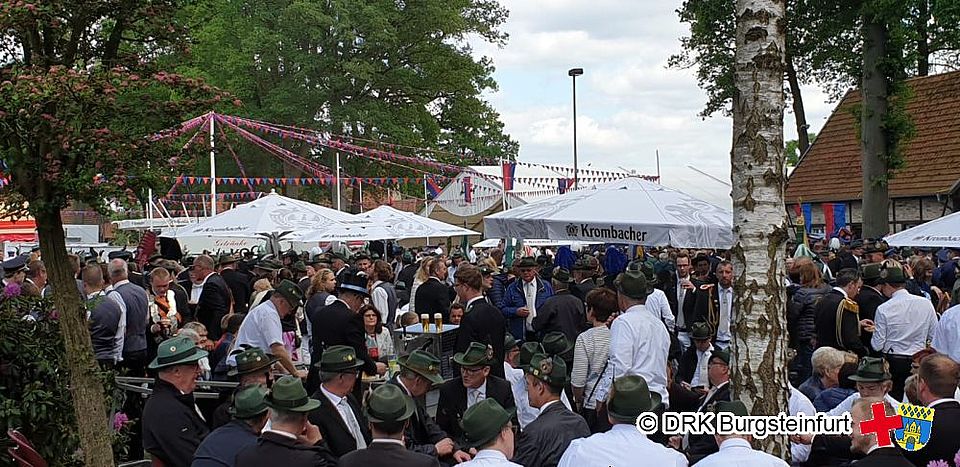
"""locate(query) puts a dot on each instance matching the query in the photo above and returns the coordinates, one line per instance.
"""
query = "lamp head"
(575, 72)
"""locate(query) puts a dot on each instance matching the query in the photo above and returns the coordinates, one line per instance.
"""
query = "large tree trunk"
(85, 386)
(923, 38)
(800, 115)
(876, 221)
(759, 366)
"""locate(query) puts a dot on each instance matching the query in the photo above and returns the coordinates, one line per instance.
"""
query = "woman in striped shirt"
(590, 357)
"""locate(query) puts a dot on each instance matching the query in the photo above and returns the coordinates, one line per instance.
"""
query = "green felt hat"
(556, 343)
(177, 351)
(891, 272)
(631, 397)
(527, 351)
(268, 265)
(527, 262)
(735, 407)
(633, 282)
(509, 341)
(387, 404)
(252, 360)
(424, 364)
(562, 275)
(225, 259)
(249, 402)
(870, 273)
(870, 370)
(287, 393)
(339, 359)
(291, 292)
(700, 331)
(477, 354)
(875, 246)
(484, 421)
(299, 267)
(551, 370)
(722, 355)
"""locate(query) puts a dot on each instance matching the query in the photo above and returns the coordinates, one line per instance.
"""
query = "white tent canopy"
(628, 211)
(272, 215)
(943, 232)
(402, 224)
(495, 242)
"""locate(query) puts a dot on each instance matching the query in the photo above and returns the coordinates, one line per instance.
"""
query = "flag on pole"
(468, 189)
(509, 170)
(432, 188)
(834, 218)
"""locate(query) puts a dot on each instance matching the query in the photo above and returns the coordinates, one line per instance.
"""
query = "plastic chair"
(23, 452)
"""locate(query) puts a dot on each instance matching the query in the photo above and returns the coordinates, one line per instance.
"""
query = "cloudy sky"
(629, 104)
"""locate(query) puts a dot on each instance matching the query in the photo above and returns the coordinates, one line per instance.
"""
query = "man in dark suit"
(561, 312)
(699, 446)
(339, 419)
(866, 443)
(210, 294)
(291, 441)
(339, 324)
(474, 385)
(238, 282)
(584, 273)
(869, 299)
(694, 362)
(545, 439)
(838, 315)
(389, 411)
(714, 305)
(481, 322)
(937, 381)
(681, 295)
(433, 296)
(419, 373)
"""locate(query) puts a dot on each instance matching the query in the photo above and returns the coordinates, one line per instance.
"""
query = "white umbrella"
(942, 232)
(404, 224)
(627, 211)
(271, 215)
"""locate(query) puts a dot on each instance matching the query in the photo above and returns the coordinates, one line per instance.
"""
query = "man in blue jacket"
(523, 297)
(250, 414)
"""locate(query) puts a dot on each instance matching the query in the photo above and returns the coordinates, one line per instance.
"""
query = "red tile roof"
(830, 171)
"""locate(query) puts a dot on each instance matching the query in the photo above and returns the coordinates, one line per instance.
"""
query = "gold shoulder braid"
(848, 306)
(713, 315)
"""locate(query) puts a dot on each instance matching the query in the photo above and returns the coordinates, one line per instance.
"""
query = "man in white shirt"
(736, 449)
(623, 444)
(903, 326)
(946, 336)
(639, 342)
(487, 428)
(797, 404)
(261, 328)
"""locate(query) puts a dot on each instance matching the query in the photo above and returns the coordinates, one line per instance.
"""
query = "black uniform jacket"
(453, 402)
(276, 449)
(387, 454)
(172, 428)
(422, 432)
(546, 438)
(334, 428)
(483, 322)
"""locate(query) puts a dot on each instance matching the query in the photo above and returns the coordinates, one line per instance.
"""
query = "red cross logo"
(881, 424)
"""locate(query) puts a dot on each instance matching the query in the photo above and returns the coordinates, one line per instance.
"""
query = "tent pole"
(338, 180)
(213, 170)
(360, 187)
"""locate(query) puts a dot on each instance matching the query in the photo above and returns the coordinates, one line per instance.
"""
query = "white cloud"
(629, 104)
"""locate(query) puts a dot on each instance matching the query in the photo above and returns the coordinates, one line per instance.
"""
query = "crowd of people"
(556, 355)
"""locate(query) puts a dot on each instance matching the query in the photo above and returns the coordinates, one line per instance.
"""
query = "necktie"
(680, 295)
(351, 421)
(475, 397)
(724, 311)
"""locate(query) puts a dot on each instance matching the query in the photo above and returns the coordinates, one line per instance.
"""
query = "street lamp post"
(573, 73)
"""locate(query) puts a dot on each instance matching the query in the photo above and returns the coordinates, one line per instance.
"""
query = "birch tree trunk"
(758, 365)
